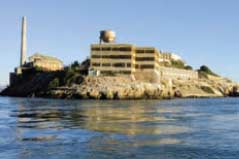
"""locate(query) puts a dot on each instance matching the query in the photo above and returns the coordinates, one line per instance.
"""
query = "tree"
(177, 63)
(207, 70)
(75, 64)
(54, 83)
(188, 67)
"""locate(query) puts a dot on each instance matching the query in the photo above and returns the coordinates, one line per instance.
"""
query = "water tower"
(107, 36)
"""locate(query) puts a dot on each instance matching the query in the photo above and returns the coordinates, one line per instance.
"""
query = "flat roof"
(125, 45)
(111, 45)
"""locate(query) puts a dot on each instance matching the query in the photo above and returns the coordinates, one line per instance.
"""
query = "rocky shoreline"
(120, 87)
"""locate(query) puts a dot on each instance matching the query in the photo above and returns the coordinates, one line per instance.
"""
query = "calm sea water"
(145, 129)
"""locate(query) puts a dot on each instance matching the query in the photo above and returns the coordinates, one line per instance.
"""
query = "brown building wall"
(47, 63)
(113, 58)
(143, 62)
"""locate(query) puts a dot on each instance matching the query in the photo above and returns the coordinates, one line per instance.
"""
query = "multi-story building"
(147, 64)
(113, 58)
(146, 58)
(142, 62)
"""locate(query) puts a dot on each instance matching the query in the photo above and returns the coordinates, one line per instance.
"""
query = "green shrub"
(207, 89)
(207, 70)
(75, 66)
(188, 67)
(177, 64)
(54, 83)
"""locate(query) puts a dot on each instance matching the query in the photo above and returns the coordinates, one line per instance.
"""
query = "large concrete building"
(117, 58)
(145, 63)
(46, 63)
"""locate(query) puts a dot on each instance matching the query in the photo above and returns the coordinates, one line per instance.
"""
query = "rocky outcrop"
(118, 87)
(211, 87)
(108, 88)
(234, 92)
(29, 86)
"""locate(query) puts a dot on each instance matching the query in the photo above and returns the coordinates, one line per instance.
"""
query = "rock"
(110, 94)
(122, 87)
(177, 94)
(234, 92)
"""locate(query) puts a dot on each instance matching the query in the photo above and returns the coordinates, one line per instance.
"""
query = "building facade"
(145, 63)
(113, 58)
(46, 63)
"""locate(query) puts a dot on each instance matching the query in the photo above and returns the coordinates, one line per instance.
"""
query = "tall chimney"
(23, 41)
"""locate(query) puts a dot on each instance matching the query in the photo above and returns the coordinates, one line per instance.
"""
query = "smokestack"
(23, 41)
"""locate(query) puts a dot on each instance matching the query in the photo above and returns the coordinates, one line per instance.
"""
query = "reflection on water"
(118, 129)
(129, 119)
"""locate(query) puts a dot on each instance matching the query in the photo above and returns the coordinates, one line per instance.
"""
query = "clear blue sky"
(201, 31)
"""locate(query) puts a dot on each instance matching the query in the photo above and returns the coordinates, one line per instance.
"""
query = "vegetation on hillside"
(188, 67)
(72, 74)
(207, 89)
(177, 64)
(180, 64)
(204, 71)
(54, 83)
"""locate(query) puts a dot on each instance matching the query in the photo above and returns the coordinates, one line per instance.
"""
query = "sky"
(200, 31)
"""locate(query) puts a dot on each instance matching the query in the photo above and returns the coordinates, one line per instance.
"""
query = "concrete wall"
(174, 73)
(151, 76)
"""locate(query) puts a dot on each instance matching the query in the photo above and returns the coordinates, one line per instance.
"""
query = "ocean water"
(141, 129)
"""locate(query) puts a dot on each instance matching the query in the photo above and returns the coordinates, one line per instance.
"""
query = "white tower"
(23, 41)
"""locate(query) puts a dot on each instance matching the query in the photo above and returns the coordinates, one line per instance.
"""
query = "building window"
(95, 56)
(95, 64)
(128, 64)
(119, 65)
(117, 56)
(144, 58)
(145, 51)
(105, 64)
(112, 56)
(106, 49)
(149, 51)
(95, 49)
(147, 66)
(125, 49)
(125, 72)
(139, 51)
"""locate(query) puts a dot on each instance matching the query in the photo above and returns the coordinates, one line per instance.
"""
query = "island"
(115, 71)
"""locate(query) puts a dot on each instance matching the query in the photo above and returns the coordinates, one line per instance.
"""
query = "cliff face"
(118, 87)
(107, 88)
(29, 86)
(88, 88)
(219, 87)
